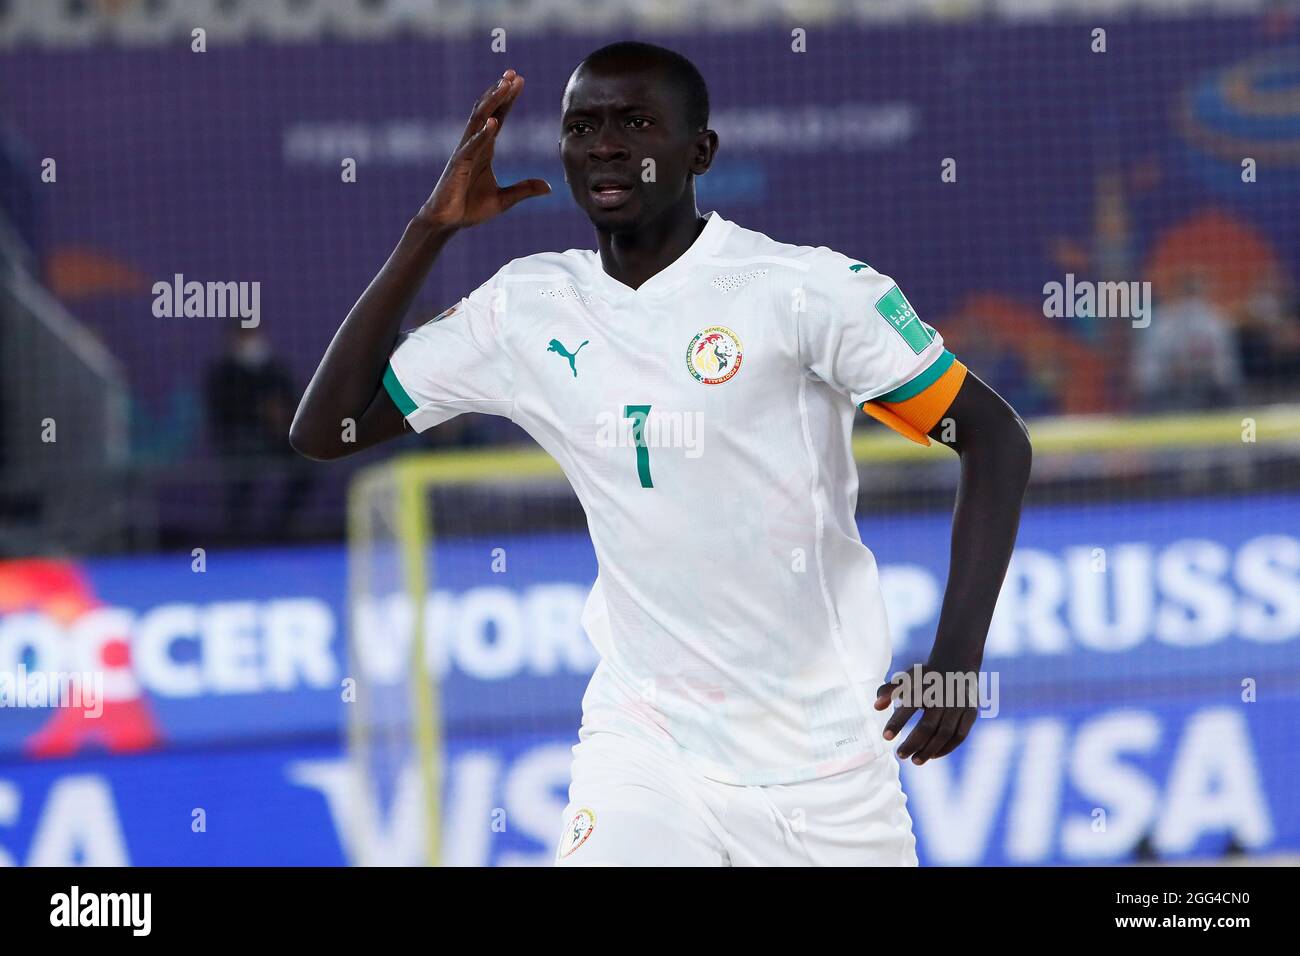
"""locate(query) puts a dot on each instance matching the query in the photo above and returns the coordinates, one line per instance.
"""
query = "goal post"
(389, 726)
(394, 729)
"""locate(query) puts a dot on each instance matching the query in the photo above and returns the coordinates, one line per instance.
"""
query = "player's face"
(625, 146)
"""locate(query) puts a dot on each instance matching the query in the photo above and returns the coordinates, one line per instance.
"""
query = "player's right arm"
(347, 387)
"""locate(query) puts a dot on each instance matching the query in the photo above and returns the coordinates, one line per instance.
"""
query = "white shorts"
(635, 803)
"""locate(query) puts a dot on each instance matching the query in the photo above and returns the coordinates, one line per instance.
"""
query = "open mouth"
(608, 194)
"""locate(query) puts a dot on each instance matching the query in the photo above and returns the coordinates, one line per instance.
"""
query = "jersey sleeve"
(860, 335)
(456, 362)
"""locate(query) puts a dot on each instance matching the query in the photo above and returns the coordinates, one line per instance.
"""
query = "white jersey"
(704, 422)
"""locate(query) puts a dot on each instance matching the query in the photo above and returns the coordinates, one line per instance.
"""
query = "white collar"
(672, 275)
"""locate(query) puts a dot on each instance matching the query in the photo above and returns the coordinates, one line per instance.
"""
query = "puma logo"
(558, 347)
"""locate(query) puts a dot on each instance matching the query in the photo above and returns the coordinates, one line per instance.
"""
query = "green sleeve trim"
(397, 393)
(923, 381)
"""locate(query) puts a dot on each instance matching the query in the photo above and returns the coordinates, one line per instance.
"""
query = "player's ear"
(706, 150)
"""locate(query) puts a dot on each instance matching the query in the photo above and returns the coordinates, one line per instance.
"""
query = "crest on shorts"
(576, 833)
(714, 355)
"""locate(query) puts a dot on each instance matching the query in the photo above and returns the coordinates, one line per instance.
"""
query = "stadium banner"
(1087, 785)
(1143, 660)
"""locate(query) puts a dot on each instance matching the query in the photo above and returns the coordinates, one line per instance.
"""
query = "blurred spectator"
(250, 400)
(1187, 357)
(1269, 335)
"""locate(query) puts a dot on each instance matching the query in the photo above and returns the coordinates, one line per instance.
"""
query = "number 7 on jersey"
(638, 414)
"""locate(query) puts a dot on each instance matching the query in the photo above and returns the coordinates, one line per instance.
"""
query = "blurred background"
(1003, 161)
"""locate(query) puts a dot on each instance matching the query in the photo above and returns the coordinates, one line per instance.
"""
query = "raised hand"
(467, 192)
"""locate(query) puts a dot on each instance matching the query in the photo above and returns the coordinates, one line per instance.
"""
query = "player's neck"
(634, 257)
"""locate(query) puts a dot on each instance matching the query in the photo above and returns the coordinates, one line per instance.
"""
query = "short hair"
(680, 71)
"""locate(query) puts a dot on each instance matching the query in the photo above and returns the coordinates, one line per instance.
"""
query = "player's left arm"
(859, 334)
(993, 445)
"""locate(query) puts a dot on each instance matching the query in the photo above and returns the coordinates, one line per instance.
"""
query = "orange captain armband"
(915, 407)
